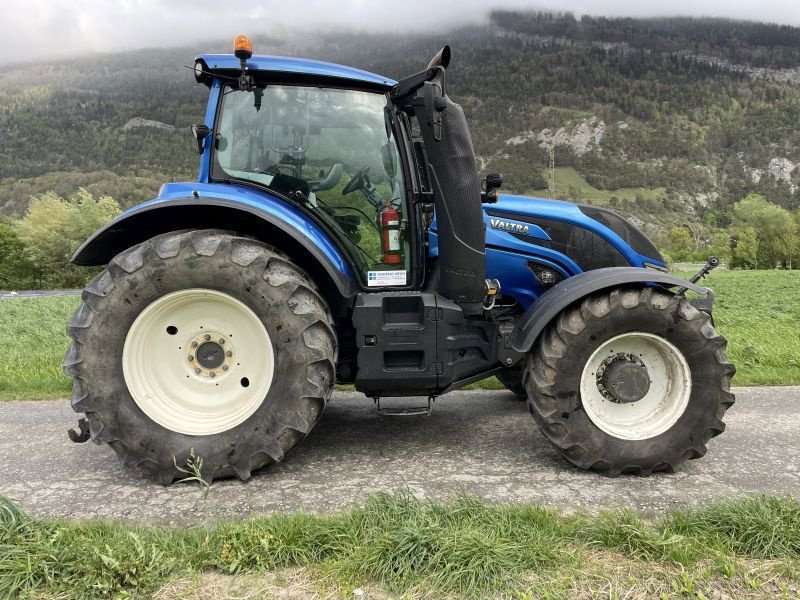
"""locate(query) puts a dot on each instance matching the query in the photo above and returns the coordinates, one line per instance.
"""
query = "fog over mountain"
(42, 29)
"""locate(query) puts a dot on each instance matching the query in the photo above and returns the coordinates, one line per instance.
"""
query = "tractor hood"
(593, 237)
(575, 237)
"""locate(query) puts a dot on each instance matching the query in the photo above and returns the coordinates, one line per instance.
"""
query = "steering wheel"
(357, 181)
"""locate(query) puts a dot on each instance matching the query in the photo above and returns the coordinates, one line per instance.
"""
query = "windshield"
(331, 150)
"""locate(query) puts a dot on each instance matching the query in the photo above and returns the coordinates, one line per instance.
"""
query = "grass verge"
(756, 310)
(402, 545)
(33, 336)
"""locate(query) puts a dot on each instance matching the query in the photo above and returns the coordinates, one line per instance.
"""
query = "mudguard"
(204, 206)
(557, 298)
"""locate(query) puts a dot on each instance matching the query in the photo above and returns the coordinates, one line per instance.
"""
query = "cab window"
(335, 152)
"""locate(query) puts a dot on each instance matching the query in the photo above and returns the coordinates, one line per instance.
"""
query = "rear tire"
(689, 382)
(153, 393)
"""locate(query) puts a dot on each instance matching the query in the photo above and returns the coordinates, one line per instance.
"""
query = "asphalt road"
(38, 293)
(484, 443)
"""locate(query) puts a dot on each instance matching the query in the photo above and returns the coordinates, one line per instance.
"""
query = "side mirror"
(200, 133)
(491, 188)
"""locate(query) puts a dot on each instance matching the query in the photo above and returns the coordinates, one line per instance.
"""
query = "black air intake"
(457, 194)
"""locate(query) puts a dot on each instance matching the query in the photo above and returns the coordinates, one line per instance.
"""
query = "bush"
(16, 271)
(53, 228)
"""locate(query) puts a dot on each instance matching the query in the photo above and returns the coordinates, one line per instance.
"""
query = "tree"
(721, 246)
(772, 225)
(53, 228)
(793, 239)
(680, 244)
(16, 272)
(745, 252)
(698, 233)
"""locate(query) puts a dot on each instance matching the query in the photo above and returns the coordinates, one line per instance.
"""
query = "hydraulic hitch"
(711, 264)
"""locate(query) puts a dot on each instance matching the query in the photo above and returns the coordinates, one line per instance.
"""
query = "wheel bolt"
(229, 353)
(206, 337)
(224, 367)
(194, 344)
(191, 358)
(197, 371)
(221, 340)
(212, 374)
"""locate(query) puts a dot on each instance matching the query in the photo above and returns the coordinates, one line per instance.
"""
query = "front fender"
(557, 298)
(203, 206)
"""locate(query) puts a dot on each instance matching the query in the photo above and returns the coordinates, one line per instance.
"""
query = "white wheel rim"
(162, 362)
(662, 405)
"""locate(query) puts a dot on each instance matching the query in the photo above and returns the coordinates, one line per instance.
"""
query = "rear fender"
(271, 221)
(557, 298)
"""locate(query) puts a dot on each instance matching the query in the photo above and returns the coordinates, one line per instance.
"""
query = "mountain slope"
(665, 119)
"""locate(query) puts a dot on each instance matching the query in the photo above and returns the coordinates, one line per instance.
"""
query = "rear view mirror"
(200, 133)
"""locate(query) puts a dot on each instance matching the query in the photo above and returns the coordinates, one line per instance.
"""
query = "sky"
(43, 29)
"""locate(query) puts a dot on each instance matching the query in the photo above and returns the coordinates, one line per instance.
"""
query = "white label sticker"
(394, 240)
(382, 278)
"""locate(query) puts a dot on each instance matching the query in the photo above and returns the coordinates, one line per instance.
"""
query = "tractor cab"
(328, 138)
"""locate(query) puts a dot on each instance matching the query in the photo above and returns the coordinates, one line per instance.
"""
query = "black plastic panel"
(632, 236)
(396, 341)
(457, 194)
(416, 344)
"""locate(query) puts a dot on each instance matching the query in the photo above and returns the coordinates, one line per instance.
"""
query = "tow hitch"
(81, 436)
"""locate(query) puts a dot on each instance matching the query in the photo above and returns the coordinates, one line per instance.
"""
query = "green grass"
(757, 311)
(462, 548)
(568, 178)
(33, 337)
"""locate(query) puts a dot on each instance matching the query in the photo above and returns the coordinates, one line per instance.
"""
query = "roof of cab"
(302, 66)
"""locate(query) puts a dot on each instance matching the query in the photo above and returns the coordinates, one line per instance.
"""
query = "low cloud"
(41, 29)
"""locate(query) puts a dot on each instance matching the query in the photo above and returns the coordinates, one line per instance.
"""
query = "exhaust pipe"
(457, 191)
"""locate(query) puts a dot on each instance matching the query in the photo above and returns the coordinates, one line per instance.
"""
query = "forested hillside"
(668, 120)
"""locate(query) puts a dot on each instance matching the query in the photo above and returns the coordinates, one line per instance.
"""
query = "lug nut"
(221, 340)
(194, 344)
(212, 374)
(206, 337)
(197, 371)
(224, 367)
(229, 353)
(191, 358)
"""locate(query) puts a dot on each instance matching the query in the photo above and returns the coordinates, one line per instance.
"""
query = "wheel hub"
(623, 378)
(210, 355)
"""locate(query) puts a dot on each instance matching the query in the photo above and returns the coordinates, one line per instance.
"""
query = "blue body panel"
(507, 256)
(304, 66)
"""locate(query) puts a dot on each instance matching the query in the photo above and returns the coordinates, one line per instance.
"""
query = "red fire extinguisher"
(390, 228)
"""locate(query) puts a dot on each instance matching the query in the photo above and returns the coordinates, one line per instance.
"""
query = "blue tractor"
(339, 232)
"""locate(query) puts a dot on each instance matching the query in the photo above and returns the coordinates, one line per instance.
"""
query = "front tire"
(511, 378)
(630, 381)
(201, 342)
